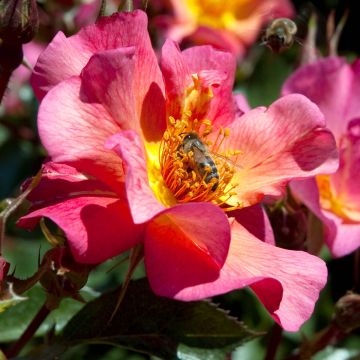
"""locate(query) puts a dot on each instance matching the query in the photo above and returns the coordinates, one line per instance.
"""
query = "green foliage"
(15, 320)
(158, 326)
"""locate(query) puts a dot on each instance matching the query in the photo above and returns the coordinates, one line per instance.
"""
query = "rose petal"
(74, 132)
(341, 238)
(346, 179)
(331, 83)
(107, 79)
(178, 67)
(255, 220)
(286, 141)
(110, 32)
(142, 202)
(59, 182)
(287, 282)
(96, 228)
(222, 106)
(181, 251)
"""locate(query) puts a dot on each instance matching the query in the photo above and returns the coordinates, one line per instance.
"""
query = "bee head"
(191, 136)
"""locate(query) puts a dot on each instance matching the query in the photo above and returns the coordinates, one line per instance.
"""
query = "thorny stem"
(274, 342)
(329, 335)
(102, 9)
(29, 332)
(135, 257)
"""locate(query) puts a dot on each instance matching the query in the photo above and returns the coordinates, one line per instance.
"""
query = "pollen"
(198, 171)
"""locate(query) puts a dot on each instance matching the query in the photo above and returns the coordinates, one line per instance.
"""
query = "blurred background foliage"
(260, 76)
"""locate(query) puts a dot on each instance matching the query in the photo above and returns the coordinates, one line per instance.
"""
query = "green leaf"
(16, 319)
(265, 84)
(155, 325)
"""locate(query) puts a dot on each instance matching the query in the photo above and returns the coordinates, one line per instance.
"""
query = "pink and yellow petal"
(340, 236)
(288, 140)
(345, 181)
(221, 108)
(185, 245)
(142, 200)
(198, 82)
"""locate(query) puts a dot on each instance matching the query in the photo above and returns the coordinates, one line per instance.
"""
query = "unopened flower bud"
(289, 228)
(65, 277)
(347, 312)
(19, 21)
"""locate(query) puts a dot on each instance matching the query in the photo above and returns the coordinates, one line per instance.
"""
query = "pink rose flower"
(114, 123)
(334, 86)
(230, 25)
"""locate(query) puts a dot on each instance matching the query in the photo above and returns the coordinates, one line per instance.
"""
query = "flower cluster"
(163, 155)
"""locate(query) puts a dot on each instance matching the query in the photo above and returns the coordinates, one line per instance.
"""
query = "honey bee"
(280, 34)
(202, 162)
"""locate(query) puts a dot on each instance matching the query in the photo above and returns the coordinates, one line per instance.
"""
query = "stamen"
(201, 177)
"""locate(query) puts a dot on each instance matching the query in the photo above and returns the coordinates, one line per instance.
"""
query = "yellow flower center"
(219, 14)
(192, 166)
(336, 203)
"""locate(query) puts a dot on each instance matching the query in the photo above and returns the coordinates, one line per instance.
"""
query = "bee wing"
(232, 161)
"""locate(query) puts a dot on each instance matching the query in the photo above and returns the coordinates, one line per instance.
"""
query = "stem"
(274, 342)
(135, 257)
(328, 336)
(102, 9)
(29, 332)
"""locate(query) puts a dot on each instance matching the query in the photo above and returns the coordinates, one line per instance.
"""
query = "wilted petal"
(185, 245)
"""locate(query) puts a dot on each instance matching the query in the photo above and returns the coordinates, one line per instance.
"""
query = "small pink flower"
(334, 86)
(114, 123)
(230, 25)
